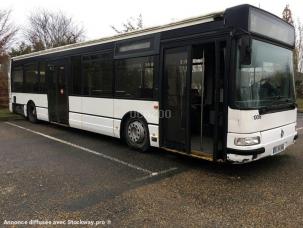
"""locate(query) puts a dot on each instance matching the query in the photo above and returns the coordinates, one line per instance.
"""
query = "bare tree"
(52, 29)
(4, 68)
(7, 30)
(299, 46)
(131, 24)
(298, 51)
(287, 15)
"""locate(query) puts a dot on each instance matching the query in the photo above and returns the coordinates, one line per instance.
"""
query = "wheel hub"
(136, 132)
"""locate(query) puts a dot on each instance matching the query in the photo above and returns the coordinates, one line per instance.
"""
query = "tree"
(287, 15)
(299, 46)
(7, 30)
(131, 24)
(21, 49)
(4, 68)
(298, 51)
(51, 29)
(299, 58)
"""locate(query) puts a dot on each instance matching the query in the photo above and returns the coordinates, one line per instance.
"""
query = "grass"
(5, 114)
(300, 104)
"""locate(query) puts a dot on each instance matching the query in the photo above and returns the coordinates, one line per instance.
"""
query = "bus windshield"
(268, 80)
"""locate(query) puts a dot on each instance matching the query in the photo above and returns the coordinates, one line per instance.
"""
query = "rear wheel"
(136, 134)
(32, 113)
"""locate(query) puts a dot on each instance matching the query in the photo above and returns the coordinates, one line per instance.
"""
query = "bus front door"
(192, 93)
(175, 99)
(57, 93)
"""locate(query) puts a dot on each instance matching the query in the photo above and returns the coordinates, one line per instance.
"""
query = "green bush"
(300, 104)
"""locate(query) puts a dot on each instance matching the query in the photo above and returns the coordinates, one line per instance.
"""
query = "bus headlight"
(247, 141)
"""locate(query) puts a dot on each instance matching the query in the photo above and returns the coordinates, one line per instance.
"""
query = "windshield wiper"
(279, 99)
(277, 105)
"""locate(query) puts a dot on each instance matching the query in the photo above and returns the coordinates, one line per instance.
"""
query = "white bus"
(218, 87)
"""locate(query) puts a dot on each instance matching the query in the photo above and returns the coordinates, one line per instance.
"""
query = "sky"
(96, 16)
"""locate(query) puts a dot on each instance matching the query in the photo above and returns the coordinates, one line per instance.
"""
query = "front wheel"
(32, 113)
(136, 134)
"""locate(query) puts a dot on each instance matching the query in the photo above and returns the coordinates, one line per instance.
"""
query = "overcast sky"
(96, 16)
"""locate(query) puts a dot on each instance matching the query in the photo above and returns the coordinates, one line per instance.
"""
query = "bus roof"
(141, 32)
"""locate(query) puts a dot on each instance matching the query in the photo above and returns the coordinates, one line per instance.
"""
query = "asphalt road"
(52, 173)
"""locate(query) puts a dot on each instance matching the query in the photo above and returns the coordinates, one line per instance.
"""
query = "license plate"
(278, 149)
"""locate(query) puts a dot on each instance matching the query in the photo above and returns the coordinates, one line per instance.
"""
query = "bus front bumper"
(273, 142)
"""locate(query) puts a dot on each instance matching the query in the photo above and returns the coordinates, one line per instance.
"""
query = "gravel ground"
(48, 180)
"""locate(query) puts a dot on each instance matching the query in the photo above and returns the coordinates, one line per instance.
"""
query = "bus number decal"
(257, 117)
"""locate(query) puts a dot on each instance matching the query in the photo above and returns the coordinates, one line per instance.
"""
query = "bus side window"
(31, 78)
(98, 75)
(42, 86)
(135, 77)
(76, 75)
(17, 80)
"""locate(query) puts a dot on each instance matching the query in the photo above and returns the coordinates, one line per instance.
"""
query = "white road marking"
(151, 173)
(156, 174)
(300, 128)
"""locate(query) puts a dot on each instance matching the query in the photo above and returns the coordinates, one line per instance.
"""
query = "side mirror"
(244, 45)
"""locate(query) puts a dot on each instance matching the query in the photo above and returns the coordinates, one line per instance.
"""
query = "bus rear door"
(57, 92)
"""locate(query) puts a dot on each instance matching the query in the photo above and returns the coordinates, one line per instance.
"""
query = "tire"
(136, 134)
(32, 113)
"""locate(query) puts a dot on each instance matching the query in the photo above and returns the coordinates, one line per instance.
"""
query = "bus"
(218, 87)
